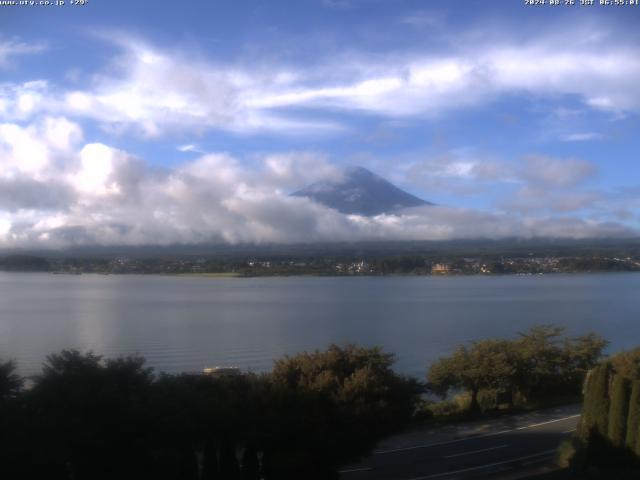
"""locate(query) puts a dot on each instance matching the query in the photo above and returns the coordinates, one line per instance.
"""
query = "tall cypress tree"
(618, 410)
(633, 419)
(601, 397)
(586, 419)
(596, 402)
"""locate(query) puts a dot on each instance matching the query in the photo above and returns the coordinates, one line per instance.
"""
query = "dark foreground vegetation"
(607, 443)
(537, 368)
(85, 417)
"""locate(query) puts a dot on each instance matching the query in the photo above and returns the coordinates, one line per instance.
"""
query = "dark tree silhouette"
(10, 382)
(92, 418)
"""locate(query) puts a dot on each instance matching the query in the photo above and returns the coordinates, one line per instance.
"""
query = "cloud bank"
(57, 191)
(154, 92)
(59, 188)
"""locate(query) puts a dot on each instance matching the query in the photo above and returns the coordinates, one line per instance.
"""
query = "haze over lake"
(186, 323)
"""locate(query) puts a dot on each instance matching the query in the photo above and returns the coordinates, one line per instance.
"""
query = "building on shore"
(440, 269)
(221, 371)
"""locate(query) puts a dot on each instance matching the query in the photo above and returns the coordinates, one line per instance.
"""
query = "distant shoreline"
(197, 275)
(342, 263)
(225, 275)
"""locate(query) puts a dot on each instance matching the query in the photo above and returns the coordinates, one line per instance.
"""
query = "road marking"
(547, 423)
(466, 439)
(416, 447)
(489, 465)
(357, 469)
(570, 431)
(475, 451)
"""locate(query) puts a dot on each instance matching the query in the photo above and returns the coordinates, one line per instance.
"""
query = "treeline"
(329, 265)
(85, 417)
(24, 263)
(607, 444)
(89, 418)
(540, 365)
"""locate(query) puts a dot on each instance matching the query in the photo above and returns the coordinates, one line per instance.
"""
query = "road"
(471, 450)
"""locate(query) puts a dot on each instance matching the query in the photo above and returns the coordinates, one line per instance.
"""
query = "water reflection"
(186, 323)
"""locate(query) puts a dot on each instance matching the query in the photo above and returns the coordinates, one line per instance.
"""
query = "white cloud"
(158, 91)
(537, 170)
(21, 151)
(37, 149)
(14, 47)
(55, 189)
(97, 194)
(189, 148)
(24, 100)
(534, 200)
(531, 185)
(97, 165)
(153, 91)
(293, 169)
(5, 226)
(338, 4)
(582, 137)
(61, 133)
(461, 171)
(423, 19)
(413, 83)
(548, 171)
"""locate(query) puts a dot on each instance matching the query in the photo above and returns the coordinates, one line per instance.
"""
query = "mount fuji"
(360, 192)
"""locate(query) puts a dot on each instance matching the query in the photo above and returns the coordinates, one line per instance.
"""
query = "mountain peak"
(360, 192)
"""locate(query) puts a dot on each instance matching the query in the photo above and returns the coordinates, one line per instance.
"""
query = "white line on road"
(472, 437)
(416, 447)
(489, 465)
(475, 451)
(570, 431)
(546, 423)
(357, 469)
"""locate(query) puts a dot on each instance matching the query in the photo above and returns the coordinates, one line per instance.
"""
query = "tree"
(91, 416)
(595, 410)
(608, 431)
(633, 419)
(541, 359)
(537, 365)
(13, 436)
(619, 409)
(627, 363)
(600, 404)
(494, 365)
(328, 408)
(10, 382)
(550, 364)
(580, 355)
(488, 364)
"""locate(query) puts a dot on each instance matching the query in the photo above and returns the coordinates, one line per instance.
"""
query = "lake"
(186, 323)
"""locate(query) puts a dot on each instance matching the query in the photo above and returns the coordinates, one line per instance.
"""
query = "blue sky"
(164, 122)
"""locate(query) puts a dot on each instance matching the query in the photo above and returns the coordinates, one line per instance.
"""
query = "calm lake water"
(186, 323)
